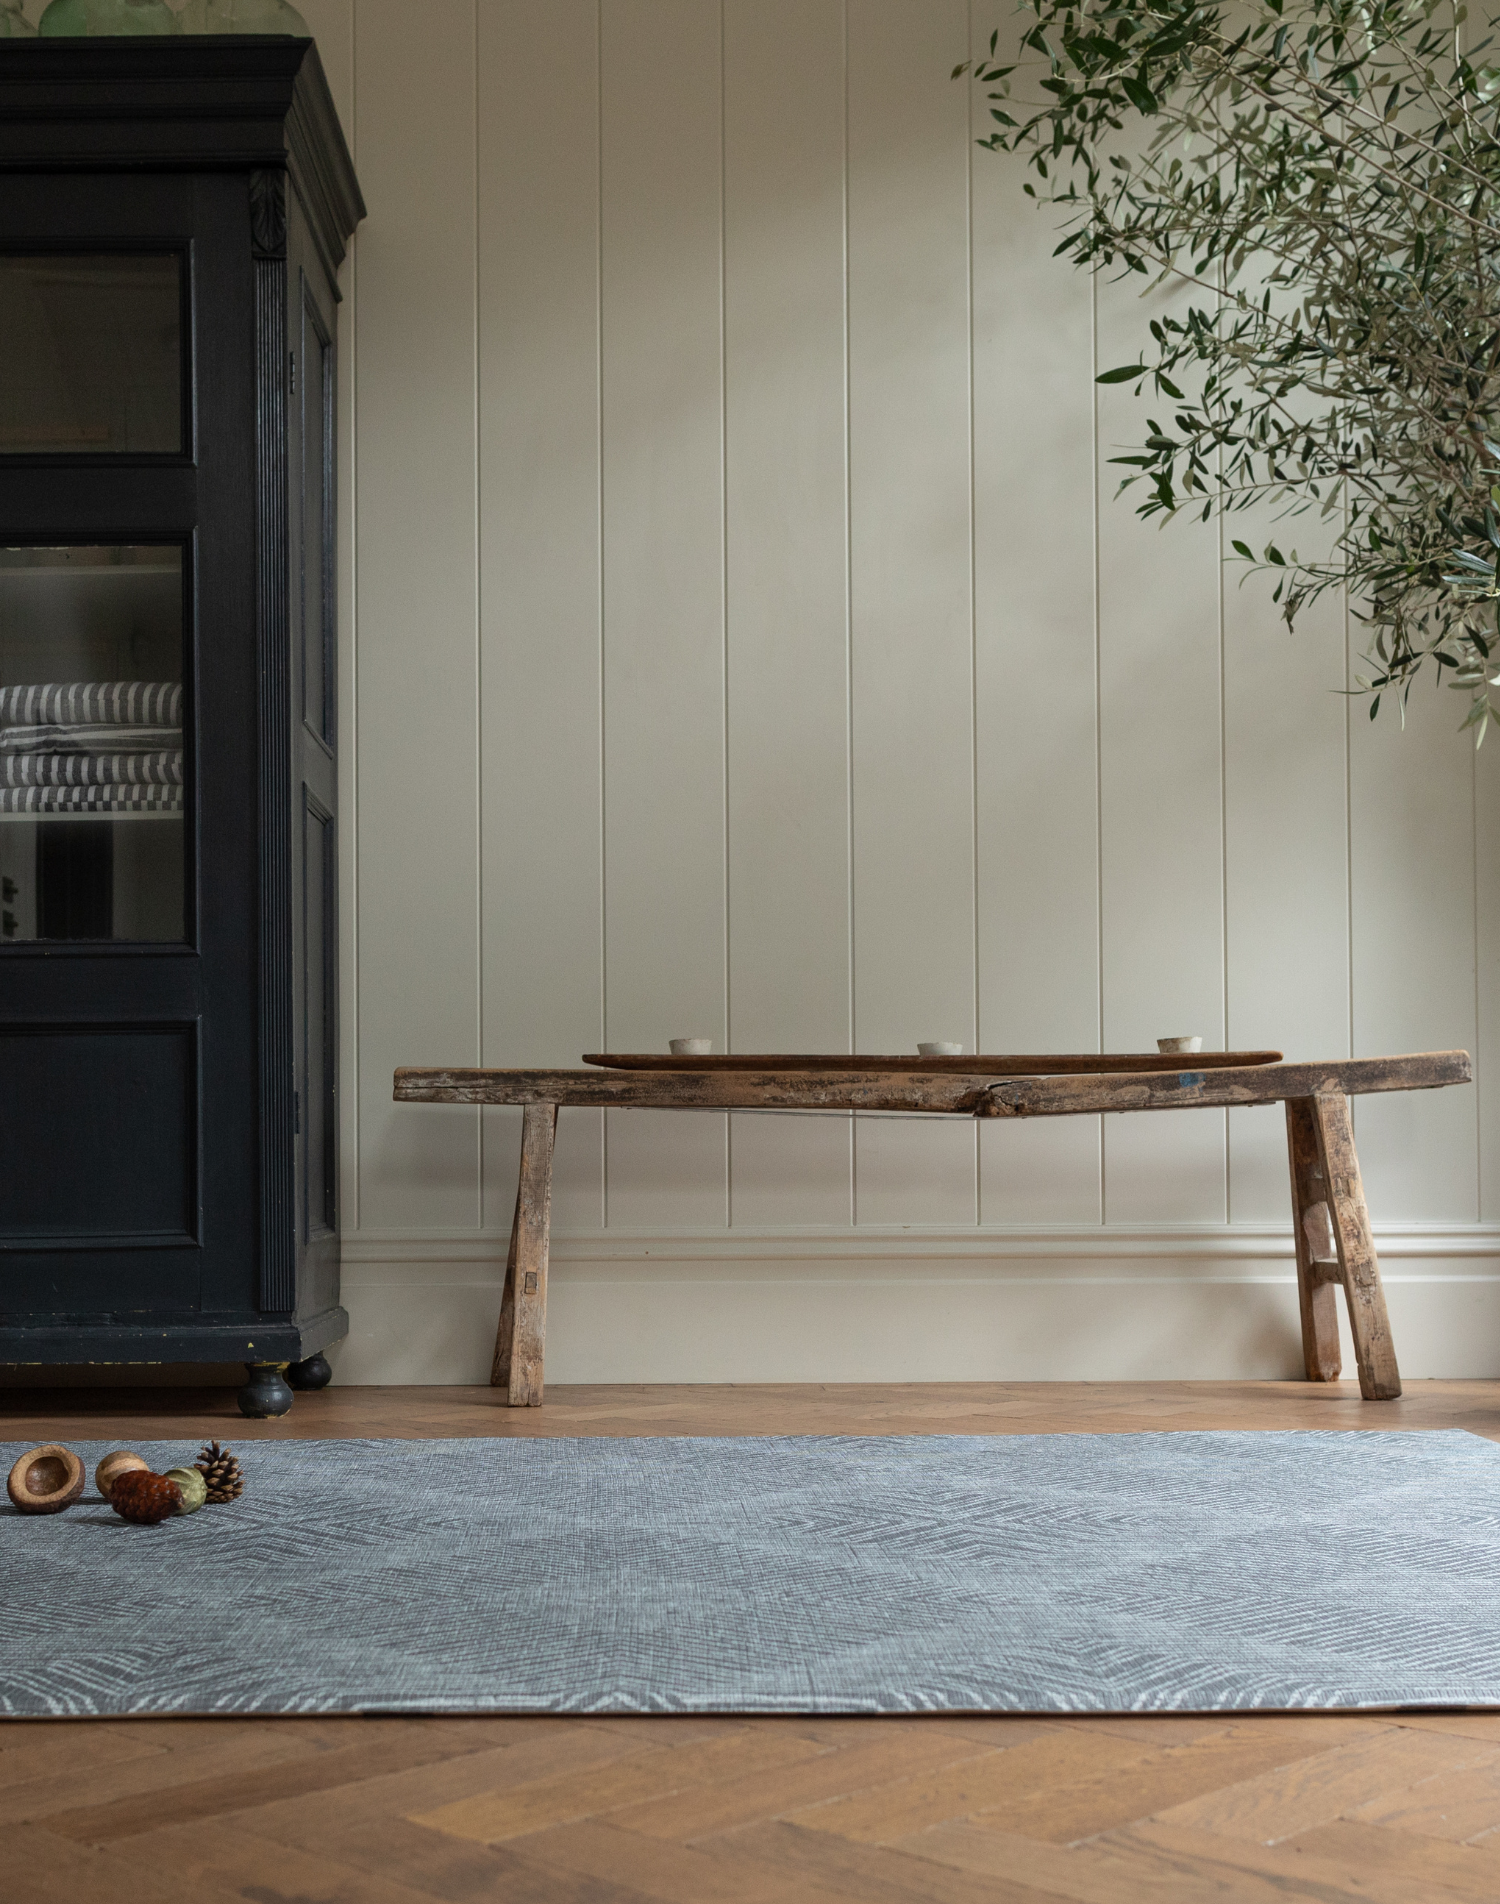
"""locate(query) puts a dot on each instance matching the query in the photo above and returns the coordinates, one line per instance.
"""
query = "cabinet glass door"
(91, 358)
(92, 762)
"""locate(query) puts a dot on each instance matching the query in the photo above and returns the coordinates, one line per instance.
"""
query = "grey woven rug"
(1066, 1573)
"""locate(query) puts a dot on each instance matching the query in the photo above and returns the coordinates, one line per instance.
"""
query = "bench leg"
(1359, 1271)
(1317, 1278)
(505, 1334)
(523, 1310)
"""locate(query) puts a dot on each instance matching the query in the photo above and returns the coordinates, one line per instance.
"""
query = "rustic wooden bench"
(1330, 1222)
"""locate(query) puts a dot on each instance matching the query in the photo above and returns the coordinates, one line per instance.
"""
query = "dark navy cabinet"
(172, 216)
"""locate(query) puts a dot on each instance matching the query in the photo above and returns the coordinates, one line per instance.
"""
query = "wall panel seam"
(1101, 1151)
(475, 319)
(599, 464)
(724, 582)
(1349, 834)
(1223, 808)
(1478, 1005)
(351, 926)
(849, 623)
(973, 582)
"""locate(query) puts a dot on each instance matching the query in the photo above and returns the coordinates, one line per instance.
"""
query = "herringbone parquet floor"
(1390, 1808)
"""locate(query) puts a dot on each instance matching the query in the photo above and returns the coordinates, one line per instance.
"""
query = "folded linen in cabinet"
(101, 800)
(160, 769)
(121, 703)
(98, 738)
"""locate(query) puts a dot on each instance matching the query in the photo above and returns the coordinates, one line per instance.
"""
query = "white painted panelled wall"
(740, 639)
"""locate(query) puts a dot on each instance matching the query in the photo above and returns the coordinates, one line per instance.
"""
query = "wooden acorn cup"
(46, 1480)
(109, 1470)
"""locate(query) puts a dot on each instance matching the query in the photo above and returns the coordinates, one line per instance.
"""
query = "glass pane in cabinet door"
(91, 357)
(92, 780)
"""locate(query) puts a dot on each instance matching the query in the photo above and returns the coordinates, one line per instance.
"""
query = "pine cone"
(138, 1495)
(222, 1473)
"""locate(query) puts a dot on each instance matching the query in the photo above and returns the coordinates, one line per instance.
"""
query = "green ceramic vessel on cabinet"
(106, 19)
(243, 16)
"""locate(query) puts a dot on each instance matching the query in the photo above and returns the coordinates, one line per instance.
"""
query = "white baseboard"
(1223, 1242)
(1165, 1302)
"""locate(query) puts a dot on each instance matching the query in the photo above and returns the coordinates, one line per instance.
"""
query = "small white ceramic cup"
(1179, 1044)
(691, 1047)
(939, 1050)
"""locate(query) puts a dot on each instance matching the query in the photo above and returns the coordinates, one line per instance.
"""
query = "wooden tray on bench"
(1036, 1064)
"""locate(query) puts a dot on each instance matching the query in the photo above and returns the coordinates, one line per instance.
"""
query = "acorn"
(120, 1462)
(143, 1497)
(191, 1486)
(46, 1480)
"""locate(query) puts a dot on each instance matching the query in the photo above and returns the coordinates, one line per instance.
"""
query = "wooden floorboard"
(1385, 1807)
(915, 1408)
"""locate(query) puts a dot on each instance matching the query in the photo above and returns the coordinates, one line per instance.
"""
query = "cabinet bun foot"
(315, 1372)
(265, 1392)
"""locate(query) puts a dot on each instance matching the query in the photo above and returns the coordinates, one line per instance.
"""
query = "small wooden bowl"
(121, 1461)
(46, 1480)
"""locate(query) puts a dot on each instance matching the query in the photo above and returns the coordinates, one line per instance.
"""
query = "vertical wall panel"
(540, 682)
(1487, 943)
(1035, 726)
(1413, 900)
(912, 653)
(331, 23)
(663, 583)
(786, 583)
(1286, 833)
(1487, 975)
(1162, 817)
(418, 919)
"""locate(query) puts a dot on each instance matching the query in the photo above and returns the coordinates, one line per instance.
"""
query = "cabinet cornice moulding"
(216, 103)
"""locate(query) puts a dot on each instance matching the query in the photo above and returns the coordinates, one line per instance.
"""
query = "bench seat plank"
(981, 1095)
(699, 1090)
(1266, 1084)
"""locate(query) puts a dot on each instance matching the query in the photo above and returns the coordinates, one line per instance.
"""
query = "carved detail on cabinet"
(268, 214)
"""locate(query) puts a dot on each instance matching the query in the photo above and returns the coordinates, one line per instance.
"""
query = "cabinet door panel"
(99, 1131)
(319, 1055)
(311, 526)
(315, 382)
